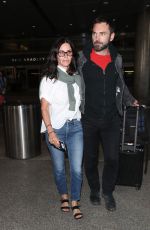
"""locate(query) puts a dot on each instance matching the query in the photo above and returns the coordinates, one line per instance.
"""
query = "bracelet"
(51, 132)
(48, 125)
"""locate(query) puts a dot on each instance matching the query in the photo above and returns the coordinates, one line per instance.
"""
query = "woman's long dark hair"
(51, 65)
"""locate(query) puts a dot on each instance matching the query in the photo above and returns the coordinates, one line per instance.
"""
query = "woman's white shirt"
(55, 92)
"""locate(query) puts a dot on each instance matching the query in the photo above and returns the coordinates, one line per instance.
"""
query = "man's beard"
(99, 47)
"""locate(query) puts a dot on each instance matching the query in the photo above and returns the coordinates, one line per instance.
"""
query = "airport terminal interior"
(28, 195)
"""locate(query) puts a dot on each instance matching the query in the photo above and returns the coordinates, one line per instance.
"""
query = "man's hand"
(135, 103)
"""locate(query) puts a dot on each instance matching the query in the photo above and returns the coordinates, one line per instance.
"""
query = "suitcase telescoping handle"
(136, 128)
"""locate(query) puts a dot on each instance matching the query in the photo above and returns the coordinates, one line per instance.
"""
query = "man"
(105, 93)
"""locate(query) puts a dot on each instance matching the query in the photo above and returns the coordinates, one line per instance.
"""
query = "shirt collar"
(63, 69)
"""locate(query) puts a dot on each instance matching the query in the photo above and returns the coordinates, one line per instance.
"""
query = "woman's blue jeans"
(71, 134)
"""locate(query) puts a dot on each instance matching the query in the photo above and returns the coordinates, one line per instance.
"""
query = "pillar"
(142, 58)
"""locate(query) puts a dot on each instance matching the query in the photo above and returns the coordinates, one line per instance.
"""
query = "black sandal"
(78, 215)
(65, 208)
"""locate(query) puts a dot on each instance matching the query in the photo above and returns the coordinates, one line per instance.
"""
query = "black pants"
(108, 132)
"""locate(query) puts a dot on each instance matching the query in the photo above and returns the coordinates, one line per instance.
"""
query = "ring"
(53, 141)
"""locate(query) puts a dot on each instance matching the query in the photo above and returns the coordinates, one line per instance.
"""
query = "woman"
(60, 95)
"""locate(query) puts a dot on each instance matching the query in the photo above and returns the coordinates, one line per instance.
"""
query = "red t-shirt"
(100, 60)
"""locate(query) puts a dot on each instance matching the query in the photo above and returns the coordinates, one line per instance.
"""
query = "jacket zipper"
(104, 90)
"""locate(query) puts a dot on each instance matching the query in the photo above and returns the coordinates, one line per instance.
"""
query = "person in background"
(3, 84)
(100, 65)
(61, 94)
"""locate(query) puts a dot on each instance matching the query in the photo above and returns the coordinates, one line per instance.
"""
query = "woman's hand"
(53, 139)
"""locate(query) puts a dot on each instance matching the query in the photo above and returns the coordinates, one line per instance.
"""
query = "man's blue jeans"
(71, 134)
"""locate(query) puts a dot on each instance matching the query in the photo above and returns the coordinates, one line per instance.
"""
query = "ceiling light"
(129, 71)
(70, 24)
(122, 34)
(93, 10)
(83, 35)
(33, 26)
(106, 2)
(23, 47)
(4, 1)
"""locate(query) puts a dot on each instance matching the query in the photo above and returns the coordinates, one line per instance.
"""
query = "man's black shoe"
(110, 203)
(95, 198)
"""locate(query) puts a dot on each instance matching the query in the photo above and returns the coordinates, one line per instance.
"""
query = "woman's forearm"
(46, 116)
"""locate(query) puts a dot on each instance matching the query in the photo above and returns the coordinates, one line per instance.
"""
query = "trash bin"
(21, 124)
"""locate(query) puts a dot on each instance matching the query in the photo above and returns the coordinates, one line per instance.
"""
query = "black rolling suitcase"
(131, 156)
